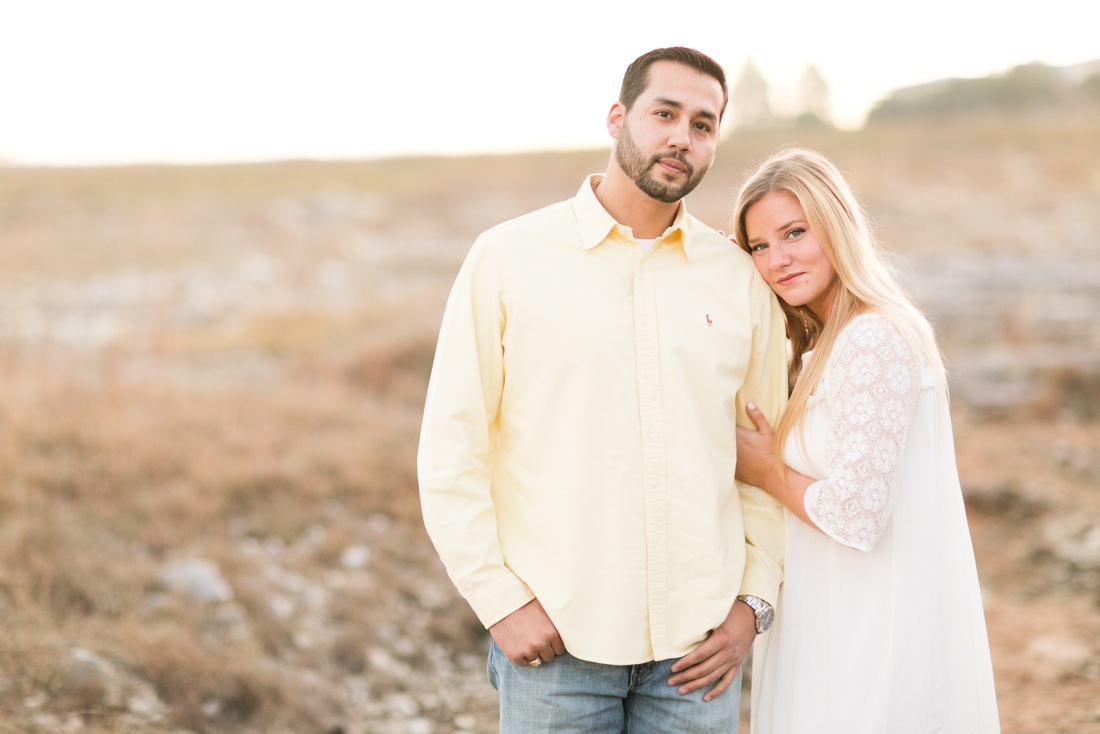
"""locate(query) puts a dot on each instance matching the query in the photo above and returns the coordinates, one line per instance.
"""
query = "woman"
(879, 627)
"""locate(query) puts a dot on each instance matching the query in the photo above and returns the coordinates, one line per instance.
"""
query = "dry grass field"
(210, 390)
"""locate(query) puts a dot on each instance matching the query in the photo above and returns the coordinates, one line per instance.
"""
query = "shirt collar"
(597, 225)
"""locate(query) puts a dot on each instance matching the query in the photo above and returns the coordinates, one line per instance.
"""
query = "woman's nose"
(779, 256)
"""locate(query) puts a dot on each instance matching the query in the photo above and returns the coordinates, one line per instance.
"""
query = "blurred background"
(227, 233)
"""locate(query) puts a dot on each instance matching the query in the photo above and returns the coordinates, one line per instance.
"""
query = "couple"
(600, 474)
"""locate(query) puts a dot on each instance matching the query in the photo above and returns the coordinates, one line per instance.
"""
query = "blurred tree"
(814, 97)
(1089, 89)
(1031, 88)
(751, 106)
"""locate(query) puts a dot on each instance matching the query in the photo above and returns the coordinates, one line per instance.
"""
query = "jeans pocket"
(492, 660)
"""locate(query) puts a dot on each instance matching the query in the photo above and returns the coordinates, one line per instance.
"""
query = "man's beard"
(637, 167)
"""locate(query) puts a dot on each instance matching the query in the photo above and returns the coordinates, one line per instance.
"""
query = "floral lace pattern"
(871, 381)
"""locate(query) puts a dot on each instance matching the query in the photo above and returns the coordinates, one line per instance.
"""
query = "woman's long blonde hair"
(865, 281)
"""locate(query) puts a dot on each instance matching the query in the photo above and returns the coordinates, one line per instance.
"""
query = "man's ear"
(615, 119)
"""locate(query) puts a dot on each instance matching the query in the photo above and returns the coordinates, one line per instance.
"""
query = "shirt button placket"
(653, 449)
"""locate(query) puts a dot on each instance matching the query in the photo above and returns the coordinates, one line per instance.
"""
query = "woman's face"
(788, 255)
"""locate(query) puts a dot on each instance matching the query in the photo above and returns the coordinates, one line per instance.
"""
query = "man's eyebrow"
(665, 102)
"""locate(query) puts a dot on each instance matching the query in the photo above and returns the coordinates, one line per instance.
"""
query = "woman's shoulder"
(873, 339)
(870, 330)
(872, 336)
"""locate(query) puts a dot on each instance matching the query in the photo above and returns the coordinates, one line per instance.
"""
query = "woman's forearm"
(789, 487)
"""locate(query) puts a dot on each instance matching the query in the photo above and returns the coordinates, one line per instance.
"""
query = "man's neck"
(632, 207)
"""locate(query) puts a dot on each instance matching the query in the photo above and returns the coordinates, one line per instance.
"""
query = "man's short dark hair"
(636, 78)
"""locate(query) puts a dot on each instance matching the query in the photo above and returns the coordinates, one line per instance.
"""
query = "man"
(578, 449)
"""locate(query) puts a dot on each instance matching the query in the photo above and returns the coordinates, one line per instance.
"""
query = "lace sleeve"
(872, 382)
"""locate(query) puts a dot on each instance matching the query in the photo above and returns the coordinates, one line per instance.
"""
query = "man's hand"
(718, 659)
(527, 634)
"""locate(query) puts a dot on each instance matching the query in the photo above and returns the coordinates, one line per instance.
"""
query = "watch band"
(761, 609)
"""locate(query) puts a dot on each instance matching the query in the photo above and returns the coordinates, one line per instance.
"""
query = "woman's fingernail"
(751, 406)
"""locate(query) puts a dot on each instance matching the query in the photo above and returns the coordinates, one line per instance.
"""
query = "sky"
(91, 82)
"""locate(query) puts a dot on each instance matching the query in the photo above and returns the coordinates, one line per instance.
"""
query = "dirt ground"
(1033, 507)
(222, 369)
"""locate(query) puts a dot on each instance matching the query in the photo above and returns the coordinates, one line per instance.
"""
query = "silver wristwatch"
(763, 611)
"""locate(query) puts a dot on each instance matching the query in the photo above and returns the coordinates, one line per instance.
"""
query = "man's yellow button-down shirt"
(578, 443)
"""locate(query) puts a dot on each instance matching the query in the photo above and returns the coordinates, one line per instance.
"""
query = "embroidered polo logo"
(709, 322)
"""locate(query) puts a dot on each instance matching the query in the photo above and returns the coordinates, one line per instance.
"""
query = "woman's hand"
(756, 450)
(757, 465)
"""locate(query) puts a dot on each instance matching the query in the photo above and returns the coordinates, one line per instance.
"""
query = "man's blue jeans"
(571, 696)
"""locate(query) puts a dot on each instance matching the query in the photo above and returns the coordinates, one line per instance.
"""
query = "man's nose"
(680, 135)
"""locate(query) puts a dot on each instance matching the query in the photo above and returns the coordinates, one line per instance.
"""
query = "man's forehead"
(671, 81)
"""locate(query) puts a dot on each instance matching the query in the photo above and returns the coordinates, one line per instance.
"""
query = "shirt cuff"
(761, 582)
(496, 600)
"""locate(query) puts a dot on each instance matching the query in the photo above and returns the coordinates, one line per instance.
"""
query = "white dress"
(879, 626)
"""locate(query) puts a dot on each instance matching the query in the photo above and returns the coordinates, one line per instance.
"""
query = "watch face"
(764, 619)
(763, 611)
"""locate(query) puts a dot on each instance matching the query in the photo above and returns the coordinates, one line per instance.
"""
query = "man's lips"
(672, 165)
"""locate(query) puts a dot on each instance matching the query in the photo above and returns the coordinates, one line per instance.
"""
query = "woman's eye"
(758, 247)
(796, 233)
